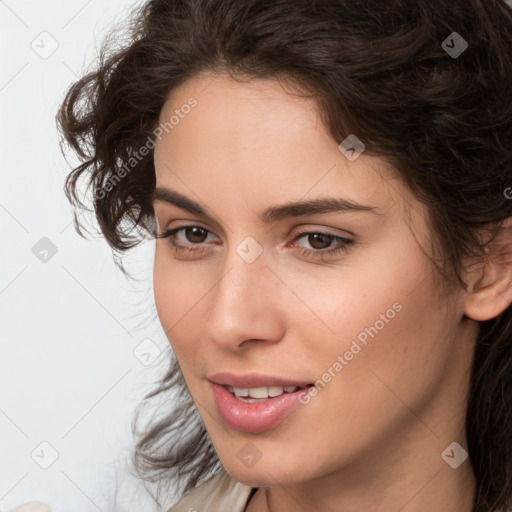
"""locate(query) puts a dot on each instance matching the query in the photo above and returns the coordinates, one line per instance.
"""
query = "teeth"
(277, 390)
(262, 392)
(258, 392)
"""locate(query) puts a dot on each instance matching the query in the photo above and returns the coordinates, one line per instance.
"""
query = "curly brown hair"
(378, 69)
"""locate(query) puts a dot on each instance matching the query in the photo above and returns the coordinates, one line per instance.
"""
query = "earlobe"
(491, 292)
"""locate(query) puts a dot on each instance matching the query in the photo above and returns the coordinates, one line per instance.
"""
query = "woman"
(329, 186)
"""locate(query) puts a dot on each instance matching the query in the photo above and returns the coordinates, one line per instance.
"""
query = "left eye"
(323, 239)
(319, 239)
(197, 235)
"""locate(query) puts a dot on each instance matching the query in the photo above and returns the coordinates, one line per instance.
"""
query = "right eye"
(195, 234)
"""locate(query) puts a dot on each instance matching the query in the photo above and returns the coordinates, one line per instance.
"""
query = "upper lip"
(253, 380)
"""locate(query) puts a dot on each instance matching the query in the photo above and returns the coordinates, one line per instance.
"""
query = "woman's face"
(279, 295)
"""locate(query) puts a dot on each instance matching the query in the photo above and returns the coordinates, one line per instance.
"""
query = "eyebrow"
(271, 214)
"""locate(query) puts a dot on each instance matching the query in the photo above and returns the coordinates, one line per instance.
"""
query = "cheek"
(388, 367)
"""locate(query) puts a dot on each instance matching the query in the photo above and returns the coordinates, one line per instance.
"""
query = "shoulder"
(218, 491)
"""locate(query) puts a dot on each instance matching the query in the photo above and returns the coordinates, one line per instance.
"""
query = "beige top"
(220, 493)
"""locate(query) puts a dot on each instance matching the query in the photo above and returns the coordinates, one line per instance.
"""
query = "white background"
(69, 326)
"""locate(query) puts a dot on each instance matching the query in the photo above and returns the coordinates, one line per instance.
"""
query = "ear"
(490, 291)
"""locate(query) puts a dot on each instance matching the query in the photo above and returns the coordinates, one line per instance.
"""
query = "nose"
(245, 305)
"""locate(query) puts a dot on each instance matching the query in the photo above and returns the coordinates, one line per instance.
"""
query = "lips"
(254, 414)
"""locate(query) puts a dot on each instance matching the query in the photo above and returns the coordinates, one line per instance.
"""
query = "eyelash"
(315, 253)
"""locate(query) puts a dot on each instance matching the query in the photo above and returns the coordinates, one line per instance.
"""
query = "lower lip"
(254, 417)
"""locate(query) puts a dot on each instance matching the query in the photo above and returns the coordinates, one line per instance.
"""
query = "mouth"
(256, 409)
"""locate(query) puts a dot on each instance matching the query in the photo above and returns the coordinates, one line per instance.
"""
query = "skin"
(372, 439)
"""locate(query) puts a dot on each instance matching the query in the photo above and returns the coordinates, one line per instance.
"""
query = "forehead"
(256, 115)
